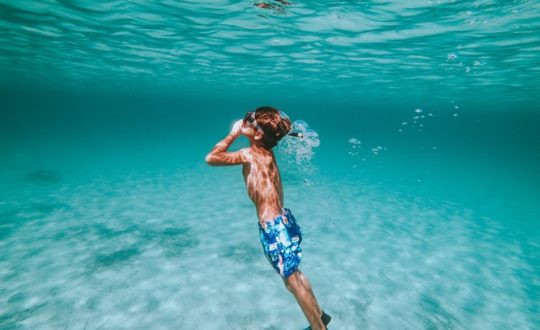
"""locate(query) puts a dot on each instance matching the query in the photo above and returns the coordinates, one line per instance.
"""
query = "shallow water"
(419, 208)
(148, 250)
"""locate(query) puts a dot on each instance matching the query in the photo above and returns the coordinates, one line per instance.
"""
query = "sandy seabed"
(181, 251)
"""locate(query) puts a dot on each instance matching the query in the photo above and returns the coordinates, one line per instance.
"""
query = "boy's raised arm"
(219, 155)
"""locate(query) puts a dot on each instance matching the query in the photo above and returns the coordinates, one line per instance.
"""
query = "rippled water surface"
(419, 202)
(356, 48)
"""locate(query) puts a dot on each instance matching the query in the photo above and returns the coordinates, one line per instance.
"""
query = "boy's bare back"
(263, 182)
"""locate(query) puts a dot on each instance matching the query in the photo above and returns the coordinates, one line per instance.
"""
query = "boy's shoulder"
(247, 154)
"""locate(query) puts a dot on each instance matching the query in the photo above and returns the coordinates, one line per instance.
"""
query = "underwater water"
(419, 203)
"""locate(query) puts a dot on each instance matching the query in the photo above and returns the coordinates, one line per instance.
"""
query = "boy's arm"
(219, 155)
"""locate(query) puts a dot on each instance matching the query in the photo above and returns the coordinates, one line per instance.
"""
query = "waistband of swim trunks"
(277, 219)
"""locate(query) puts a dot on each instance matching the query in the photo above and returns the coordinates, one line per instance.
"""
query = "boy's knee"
(292, 283)
(289, 286)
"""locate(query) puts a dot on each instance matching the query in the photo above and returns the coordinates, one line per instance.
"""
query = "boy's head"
(268, 126)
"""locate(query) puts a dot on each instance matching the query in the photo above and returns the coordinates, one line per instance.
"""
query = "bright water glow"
(153, 256)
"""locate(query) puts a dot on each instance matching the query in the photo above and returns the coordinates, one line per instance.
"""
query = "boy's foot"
(325, 318)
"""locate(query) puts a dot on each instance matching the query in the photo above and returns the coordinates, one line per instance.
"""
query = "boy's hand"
(237, 128)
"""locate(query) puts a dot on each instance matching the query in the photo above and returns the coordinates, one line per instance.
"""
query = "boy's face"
(247, 130)
(250, 128)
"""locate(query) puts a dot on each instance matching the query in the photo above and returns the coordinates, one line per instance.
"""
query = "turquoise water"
(420, 208)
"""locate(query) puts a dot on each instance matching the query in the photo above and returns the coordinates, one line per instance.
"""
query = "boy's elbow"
(208, 159)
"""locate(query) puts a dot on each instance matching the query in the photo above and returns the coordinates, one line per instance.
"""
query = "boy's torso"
(263, 183)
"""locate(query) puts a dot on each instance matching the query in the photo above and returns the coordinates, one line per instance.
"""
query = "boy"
(279, 233)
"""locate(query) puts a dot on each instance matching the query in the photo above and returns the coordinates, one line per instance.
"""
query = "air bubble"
(300, 125)
(299, 151)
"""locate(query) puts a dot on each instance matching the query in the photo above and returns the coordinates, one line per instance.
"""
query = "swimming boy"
(279, 233)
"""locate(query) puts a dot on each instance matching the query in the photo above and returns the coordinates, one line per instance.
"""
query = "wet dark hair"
(273, 125)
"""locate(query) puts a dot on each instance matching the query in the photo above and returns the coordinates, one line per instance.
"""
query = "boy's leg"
(298, 284)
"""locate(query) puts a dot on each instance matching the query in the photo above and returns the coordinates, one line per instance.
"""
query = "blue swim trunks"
(281, 238)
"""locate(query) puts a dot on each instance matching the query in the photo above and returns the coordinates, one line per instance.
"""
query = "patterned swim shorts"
(281, 238)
